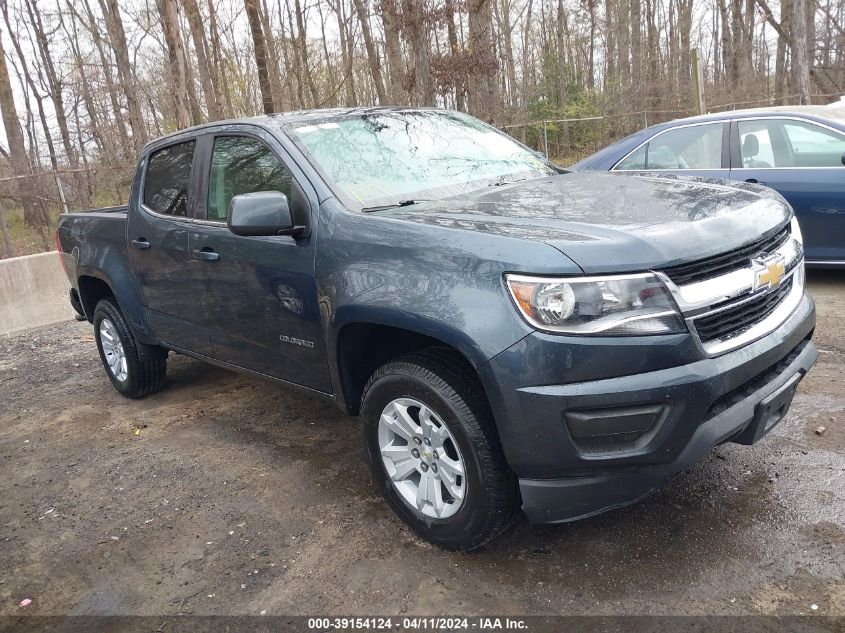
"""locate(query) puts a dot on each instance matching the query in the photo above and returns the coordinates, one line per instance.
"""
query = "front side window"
(384, 158)
(168, 179)
(241, 164)
(693, 147)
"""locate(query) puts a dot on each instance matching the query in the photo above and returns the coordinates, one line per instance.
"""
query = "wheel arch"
(364, 346)
(91, 291)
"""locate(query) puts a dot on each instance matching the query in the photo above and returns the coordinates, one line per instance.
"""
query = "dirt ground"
(227, 495)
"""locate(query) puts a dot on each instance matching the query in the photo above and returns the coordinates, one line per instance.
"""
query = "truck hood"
(614, 222)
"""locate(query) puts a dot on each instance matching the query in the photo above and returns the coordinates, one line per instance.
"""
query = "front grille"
(725, 263)
(734, 321)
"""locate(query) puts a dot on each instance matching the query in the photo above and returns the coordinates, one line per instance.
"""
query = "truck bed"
(87, 239)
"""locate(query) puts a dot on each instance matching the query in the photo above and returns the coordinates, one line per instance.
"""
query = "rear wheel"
(433, 449)
(131, 376)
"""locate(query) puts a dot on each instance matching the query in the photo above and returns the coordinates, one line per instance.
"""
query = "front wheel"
(433, 449)
(131, 376)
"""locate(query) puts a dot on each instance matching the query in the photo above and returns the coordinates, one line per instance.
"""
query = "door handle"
(207, 255)
(141, 244)
(754, 181)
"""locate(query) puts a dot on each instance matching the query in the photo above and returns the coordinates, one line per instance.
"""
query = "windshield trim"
(286, 128)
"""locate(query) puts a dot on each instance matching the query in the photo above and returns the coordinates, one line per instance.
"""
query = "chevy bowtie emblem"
(768, 271)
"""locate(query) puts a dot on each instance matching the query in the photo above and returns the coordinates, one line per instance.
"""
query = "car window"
(168, 178)
(693, 147)
(241, 164)
(756, 147)
(637, 160)
(386, 157)
(813, 145)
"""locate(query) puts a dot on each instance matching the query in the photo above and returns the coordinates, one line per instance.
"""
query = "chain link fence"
(566, 141)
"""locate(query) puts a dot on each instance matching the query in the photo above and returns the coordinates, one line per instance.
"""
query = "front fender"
(436, 281)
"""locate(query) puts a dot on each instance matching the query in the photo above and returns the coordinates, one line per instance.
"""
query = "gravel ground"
(227, 495)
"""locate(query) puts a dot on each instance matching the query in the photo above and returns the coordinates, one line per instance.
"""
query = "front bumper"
(704, 402)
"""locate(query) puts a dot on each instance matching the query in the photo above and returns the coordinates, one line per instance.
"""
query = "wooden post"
(546, 139)
(697, 77)
(8, 248)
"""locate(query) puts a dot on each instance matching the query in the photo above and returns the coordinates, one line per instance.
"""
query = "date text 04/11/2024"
(417, 623)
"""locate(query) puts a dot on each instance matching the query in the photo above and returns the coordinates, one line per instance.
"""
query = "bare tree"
(252, 11)
(117, 38)
(209, 88)
(33, 213)
(800, 68)
(393, 50)
(168, 14)
(372, 52)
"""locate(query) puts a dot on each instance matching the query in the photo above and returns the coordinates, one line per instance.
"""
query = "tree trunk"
(276, 88)
(350, 98)
(168, 14)
(483, 64)
(636, 53)
(219, 71)
(56, 89)
(610, 34)
(506, 29)
(372, 53)
(563, 75)
(800, 69)
(454, 48)
(416, 25)
(8, 247)
(117, 37)
(297, 62)
(302, 45)
(21, 168)
(92, 27)
(212, 101)
(252, 9)
(393, 51)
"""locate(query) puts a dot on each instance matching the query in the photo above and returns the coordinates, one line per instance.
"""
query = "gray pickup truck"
(513, 336)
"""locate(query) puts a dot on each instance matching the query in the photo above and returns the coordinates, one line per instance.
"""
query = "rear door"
(698, 149)
(158, 228)
(259, 299)
(802, 160)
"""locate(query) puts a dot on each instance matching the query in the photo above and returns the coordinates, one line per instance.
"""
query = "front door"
(158, 245)
(802, 160)
(259, 297)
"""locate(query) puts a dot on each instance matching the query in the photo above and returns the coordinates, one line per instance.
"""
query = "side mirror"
(843, 158)
(261, 213)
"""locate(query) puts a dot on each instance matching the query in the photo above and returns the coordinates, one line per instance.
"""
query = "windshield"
(392, 157)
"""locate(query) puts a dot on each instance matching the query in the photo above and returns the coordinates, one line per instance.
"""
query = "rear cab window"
(168, 178)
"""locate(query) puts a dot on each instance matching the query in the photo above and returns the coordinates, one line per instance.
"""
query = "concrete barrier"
(33, 293)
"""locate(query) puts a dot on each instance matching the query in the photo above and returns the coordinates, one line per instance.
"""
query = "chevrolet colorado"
(513, 336)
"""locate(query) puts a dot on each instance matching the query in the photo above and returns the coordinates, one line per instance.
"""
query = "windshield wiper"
(401, 203)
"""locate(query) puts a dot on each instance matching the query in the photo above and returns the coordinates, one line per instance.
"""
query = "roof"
(296, 116)
(832, 111)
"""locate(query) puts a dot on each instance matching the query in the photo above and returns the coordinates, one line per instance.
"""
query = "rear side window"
(241, 164)
(693, 147)
(813, 145)
(168, 178)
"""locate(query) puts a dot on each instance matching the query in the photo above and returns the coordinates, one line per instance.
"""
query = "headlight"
(611, 305)
(796, 230)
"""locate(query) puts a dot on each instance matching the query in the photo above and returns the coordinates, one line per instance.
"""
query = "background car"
(797, 150)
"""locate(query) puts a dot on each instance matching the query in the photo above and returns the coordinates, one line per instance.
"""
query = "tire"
(133, 377)
(444, 385)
